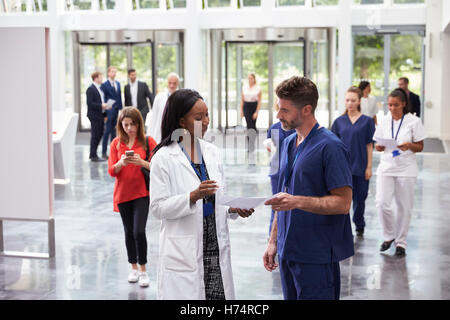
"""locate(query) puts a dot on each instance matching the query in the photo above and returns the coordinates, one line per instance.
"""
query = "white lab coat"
(154, 119)
(180, 266)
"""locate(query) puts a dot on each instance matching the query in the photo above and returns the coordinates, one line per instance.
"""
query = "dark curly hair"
(300, 91)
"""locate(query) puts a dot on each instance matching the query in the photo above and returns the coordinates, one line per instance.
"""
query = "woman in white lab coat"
(397, 171)
(186, 172)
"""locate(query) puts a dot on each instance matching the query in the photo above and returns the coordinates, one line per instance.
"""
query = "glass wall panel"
(368, 55)
(79, 5)
(107, 4)
(320, 76)
(142, 62)
(368, 1)
(250, 3)
(325, 2)
(167, 62)
(92, 58)
(281, 3)
(218, 3)
(148, 4)
(118, 58)
(406, 61)
(408, 1)
(288, 61)
(179, 3)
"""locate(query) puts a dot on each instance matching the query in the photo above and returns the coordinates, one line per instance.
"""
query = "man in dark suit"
(136, 94)
(96, 113)
(414, 99)
(111, 88)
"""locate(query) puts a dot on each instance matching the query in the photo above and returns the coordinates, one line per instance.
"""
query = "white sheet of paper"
(243, 202)
(389, 144)
(110, 103)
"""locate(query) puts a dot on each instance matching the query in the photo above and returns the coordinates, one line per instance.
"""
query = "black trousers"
(249, 110)
(134, 218)
(97, 129)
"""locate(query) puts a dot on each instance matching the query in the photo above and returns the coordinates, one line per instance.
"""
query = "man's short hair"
(173, 74)
(109, 68)
(95, 75)
(131, 71)
(300, 91)
(404, 79)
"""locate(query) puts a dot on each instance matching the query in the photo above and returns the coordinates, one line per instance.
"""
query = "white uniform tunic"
(396, 177)
(155, 119)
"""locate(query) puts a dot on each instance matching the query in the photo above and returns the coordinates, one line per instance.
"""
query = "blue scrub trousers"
(360, 192)
(302, 281)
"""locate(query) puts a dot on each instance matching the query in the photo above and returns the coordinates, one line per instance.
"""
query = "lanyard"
(398, 130)
(290, 168)
(202, 174)
(208, 204)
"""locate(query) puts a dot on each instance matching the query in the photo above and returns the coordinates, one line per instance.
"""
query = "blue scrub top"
(356, 137)
(322, 166)
(277, 135)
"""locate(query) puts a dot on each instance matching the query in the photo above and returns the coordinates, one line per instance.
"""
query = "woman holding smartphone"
(131, 197)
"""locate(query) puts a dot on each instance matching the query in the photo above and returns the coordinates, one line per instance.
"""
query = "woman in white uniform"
(397, 171)
(368, 103)
(185, 174)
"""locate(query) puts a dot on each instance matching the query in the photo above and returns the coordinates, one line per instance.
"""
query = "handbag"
(145, 171)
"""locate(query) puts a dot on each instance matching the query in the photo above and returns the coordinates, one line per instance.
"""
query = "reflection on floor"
(91, 258)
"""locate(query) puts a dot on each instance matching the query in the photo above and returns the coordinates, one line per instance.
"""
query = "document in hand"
(389, 144)
(110, 103)
(243, 202)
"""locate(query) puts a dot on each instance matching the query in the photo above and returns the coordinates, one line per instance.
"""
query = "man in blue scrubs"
(311, 230)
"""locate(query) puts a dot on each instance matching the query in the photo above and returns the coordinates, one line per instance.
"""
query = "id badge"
(395, 153)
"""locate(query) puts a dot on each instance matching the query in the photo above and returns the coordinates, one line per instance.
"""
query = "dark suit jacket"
(94, 104)
(143, 92)
(414, 99)
(110, 93)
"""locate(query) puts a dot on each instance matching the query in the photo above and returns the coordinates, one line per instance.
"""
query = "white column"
(445, 105)
(433, 108)
(345, 52)
(192, 47)
(57, 55)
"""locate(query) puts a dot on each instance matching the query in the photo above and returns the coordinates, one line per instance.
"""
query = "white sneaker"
(144, 280)
(133, 276)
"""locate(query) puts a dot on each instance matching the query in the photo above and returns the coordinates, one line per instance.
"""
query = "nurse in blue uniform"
(276, 134)
(356, 132)
(311, 230)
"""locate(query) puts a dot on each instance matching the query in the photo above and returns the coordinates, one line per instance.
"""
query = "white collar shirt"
(102, 95)
(134, 92)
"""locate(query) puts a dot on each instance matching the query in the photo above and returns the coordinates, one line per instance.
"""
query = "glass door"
(271, 63)
(368, 65)
(168, 59)
(288, 61)
(118, 57)
(243, 59)
(383, 59)
(142, 62)
(92, 58)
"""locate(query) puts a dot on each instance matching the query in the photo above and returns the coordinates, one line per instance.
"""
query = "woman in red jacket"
(131, 197)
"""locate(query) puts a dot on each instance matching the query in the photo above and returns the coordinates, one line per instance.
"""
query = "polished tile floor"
(91, 261)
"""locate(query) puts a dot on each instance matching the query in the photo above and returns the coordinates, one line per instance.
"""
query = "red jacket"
(130, 183)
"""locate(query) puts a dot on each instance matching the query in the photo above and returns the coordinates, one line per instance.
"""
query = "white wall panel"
(26, 178)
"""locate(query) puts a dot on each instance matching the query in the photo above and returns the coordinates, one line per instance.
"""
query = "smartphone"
(129, 153)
